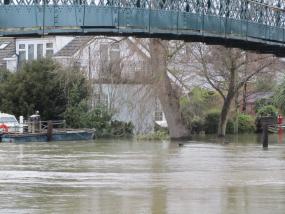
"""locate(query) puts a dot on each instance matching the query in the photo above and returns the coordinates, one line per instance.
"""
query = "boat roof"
(6, 115)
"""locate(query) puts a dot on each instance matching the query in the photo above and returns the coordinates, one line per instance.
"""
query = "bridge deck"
(237, 23)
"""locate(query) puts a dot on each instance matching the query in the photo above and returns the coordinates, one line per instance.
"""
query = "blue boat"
(66, 135)
(35, 130)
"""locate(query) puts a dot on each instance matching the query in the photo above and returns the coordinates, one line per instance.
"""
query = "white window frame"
(48, 49)
(35, 43)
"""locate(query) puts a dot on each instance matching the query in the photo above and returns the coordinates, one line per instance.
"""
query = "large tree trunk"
(224, 116)
(244, 98)
(164, 90)
(227, 104)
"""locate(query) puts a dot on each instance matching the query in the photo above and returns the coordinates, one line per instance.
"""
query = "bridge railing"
(246, 18)
(257, 11)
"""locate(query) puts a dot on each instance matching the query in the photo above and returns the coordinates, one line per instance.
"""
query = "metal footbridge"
(252, 25)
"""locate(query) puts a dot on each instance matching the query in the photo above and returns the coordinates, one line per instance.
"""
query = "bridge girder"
(237, 23)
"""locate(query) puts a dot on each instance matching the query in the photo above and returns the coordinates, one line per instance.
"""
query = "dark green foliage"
(197, 125)
(246, 123)
(230, 127)
(120, 128)
(195, 105)
(75, 84)
(78, 113)
(158, 128)
(98, 118)
(79, 116)
(75, 115)
(265, 111)
(268, 110)
(261, 103)
(212, 121)
(155, 136)
(35, 87)
(4, 75)
(57, 94)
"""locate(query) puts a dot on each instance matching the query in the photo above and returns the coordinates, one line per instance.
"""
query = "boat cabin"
(8, 123)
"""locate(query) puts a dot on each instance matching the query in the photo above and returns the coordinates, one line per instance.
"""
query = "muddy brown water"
(206, 175)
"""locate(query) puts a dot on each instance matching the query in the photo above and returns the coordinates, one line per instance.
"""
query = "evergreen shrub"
(246, 123)
(211, 122)
(268, 110)
(197, 125)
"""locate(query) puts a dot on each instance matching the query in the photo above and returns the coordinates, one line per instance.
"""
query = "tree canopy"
(41, 85)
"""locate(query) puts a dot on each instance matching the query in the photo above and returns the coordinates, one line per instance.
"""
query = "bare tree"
(159, 53)
(227, 70)
(167, 94)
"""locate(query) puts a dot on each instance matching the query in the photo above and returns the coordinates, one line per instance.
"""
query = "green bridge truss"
(253, 25)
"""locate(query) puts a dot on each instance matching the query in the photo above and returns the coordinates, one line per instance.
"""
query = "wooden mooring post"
(265, 136)
(266, 121)
(49, 130)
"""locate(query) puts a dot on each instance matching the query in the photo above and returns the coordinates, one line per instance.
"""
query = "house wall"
(130, 103)
(97, 55)
(11, 63)
(7, 50)
(61, 41)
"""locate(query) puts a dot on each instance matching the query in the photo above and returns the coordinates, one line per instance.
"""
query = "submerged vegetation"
(157, 135)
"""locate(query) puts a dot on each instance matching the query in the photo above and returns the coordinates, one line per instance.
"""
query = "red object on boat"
(4, 128)
(279, 119)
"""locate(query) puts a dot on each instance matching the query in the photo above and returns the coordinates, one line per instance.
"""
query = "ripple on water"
(131, 177)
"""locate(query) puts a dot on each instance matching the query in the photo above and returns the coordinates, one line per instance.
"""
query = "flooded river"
(127, 177)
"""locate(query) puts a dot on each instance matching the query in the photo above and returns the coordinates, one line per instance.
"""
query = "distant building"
(15, 51)
(253, 98)
(130, 102)
(119, 75)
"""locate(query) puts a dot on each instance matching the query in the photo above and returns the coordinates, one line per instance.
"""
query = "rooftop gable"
(7, 49)
(73, 46)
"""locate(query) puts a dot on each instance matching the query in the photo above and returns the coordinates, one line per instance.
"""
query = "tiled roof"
(73, 46)
(259, 95)
(7, 49)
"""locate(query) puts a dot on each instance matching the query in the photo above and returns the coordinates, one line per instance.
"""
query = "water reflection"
(206, 175)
